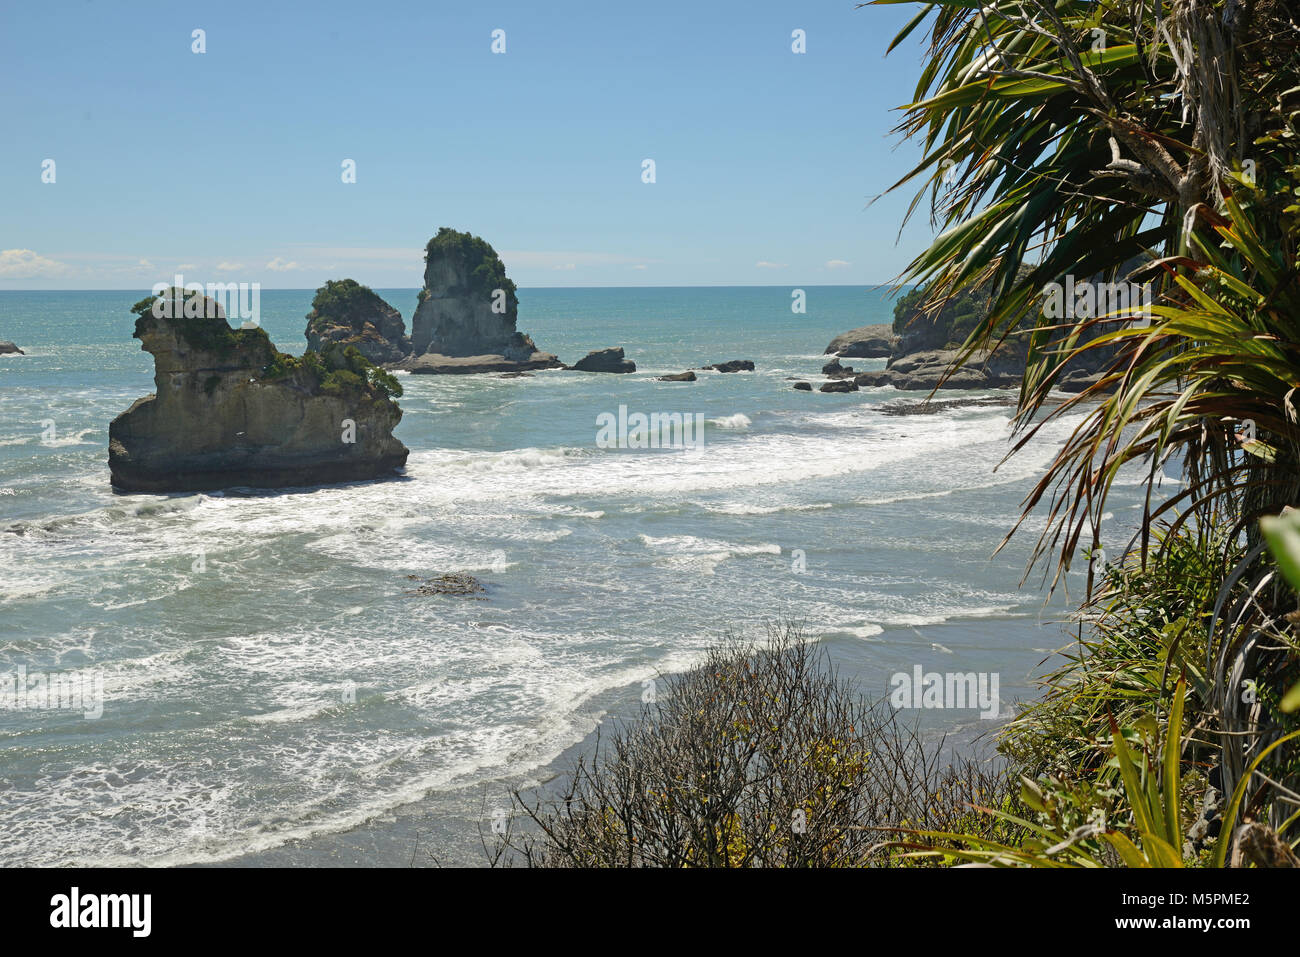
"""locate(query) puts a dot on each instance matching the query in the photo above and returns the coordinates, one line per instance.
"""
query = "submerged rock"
(9, 349)
(465, 320)
(687, 376)
(347, 313)
(604, 360)
(935, 406)
(462, 585)
(231, 410)
(733, 365)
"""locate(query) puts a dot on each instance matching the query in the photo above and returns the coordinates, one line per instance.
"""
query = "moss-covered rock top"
(346, 302)
(474, 259)
(201, 324)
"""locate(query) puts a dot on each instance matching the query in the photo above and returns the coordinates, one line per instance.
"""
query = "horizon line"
(719, 285)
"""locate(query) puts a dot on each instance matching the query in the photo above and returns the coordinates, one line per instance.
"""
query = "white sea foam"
(737, 421)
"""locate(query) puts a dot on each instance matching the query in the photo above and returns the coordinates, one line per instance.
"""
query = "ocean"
(273, 692)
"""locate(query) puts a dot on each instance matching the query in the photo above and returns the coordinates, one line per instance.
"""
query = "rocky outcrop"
(841, 385)
(833, 370)
(865, 342)
(604, 360)
(923, 371)
(231, 410)
(9, 349)
(733, 365)
(347, 313)
(465, 320)
(686, 376)
(803, 386)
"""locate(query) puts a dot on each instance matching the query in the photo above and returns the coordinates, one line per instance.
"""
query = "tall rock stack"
(465, 320)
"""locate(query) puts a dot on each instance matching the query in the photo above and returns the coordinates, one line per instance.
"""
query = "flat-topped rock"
(686, 376)
(433, 363)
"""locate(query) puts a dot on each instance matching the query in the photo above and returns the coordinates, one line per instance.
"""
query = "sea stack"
(230, 410)
(465, 320)
(347, 313)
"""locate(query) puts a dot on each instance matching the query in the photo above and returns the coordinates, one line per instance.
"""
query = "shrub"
(760, 756)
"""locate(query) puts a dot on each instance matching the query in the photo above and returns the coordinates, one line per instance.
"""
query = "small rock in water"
(803, 386)
(604, 360)
(840, 385)
(8, 348)
(451, 584)
(678, 377)
(733, 365)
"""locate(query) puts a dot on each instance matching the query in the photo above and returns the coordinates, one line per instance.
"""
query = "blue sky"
(227, 165)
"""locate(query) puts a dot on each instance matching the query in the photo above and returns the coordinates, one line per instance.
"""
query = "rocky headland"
(921, 347)
(230, 410)
(465, 320)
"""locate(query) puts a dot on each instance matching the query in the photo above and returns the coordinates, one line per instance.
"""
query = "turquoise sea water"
(269, 679)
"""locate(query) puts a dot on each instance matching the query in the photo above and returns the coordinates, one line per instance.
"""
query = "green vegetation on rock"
(486, 270)
(346, 302)
(199, 321)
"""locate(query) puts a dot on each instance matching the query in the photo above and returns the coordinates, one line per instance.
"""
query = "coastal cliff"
(465, 320)
(231, 410)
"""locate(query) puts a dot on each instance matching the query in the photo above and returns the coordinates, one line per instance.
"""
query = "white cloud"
(837, 263)
(764, 264)
(26, 264)
(639, 266)
(229, 267)
(279, 265)
(184, 266)
(146, 264)
(566, 266)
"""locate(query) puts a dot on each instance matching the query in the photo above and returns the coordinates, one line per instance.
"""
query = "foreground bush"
(760, 757)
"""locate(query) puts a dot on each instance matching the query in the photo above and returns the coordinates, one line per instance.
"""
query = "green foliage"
(946, 322)
(335, 371)
(1143, 626)
(207, 331)
(345, 302)
(1074, 159)
(1065, 826)
(486, 270)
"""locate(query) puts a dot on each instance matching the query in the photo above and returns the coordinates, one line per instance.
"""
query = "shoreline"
(441, 828)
